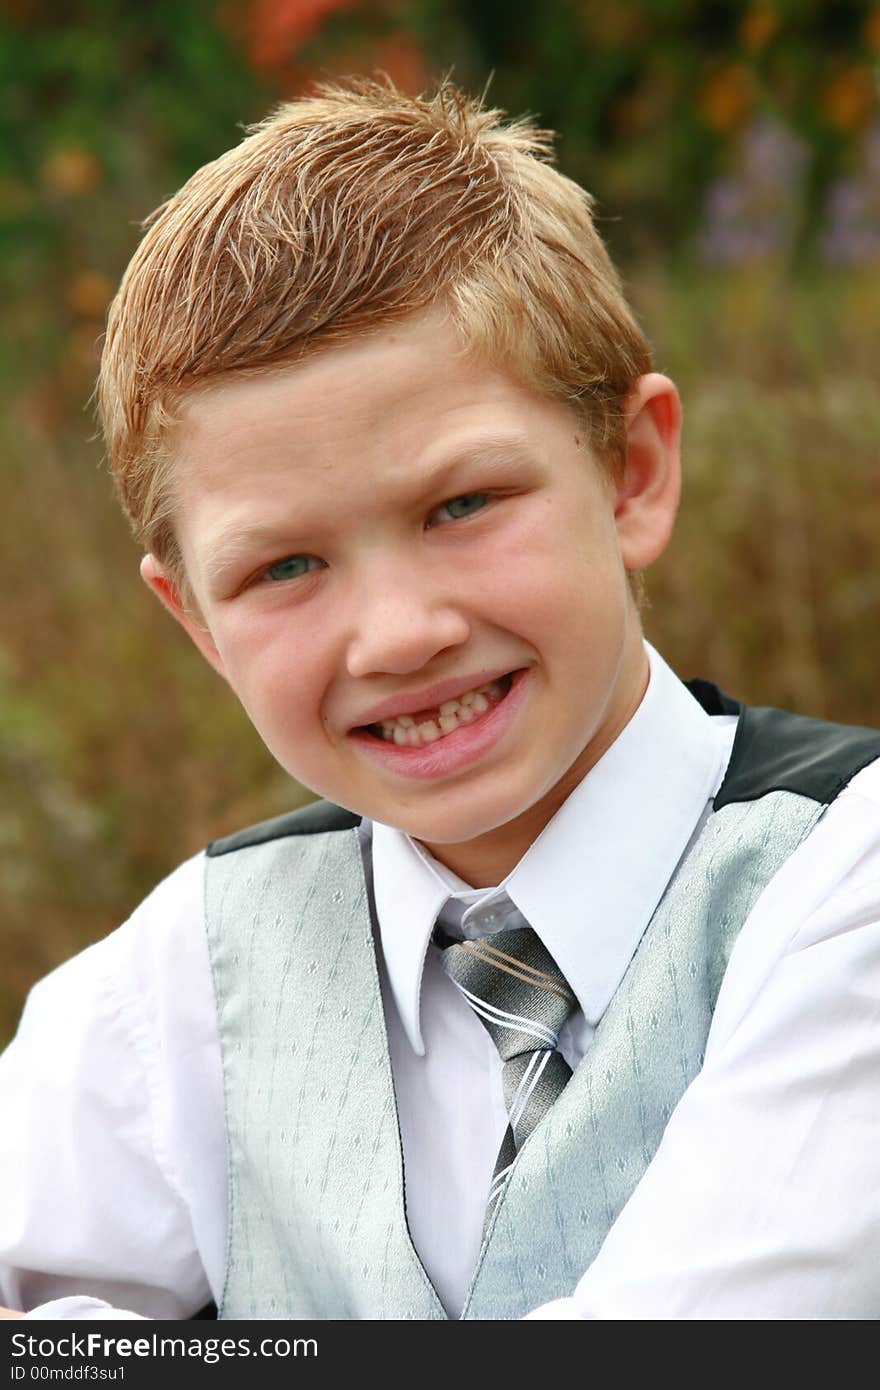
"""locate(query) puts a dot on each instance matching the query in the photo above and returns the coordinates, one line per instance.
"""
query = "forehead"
(397, 397)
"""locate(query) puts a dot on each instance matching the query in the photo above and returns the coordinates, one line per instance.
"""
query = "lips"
(455, 752)
(431, 724)
(427, 701)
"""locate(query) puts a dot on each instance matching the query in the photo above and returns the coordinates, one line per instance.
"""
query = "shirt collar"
(590, 882)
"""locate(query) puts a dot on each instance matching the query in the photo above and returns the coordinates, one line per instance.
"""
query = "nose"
(403, 622)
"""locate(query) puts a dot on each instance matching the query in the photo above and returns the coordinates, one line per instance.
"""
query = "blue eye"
(291, 567)
(467, 505)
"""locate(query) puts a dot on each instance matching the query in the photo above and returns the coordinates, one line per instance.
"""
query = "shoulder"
(837, 768)
(777, 750)
(815, 929)
(114, 985)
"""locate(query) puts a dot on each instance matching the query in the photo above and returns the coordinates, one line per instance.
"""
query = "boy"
(393, 445)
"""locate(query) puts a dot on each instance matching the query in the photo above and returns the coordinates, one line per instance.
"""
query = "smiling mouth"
(428, 726)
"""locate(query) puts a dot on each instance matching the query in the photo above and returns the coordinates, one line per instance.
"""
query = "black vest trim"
(776, 751)
(713, 700)
(315, 819)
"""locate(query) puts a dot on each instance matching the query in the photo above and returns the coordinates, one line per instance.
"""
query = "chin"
(457, 829)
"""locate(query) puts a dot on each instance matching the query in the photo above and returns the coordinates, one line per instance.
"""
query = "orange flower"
(71, 171)
(726, 98)
(849, 98)
(610, 26)
(400, 56)
(88, 294)
(281, 27)
(871, 30)
(758, 26)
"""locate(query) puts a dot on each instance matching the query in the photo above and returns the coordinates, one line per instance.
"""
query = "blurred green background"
(735, 154)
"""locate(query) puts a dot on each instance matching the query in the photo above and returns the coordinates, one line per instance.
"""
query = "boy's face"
(391, 525)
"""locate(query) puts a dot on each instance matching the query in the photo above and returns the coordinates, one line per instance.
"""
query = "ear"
(190, 620)
(648, 489)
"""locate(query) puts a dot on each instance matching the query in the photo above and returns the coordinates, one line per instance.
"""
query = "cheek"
(564, 560)
(275, 667)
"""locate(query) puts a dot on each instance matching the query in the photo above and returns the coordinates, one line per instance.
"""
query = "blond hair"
(344, 211)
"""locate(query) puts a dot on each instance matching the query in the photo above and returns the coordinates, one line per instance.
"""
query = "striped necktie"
(518, 992)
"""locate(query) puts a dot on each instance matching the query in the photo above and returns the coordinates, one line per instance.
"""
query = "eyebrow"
(491, 453)
(228, 546)
(489, 450)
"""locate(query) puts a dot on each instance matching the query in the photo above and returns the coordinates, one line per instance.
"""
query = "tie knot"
(515, 986)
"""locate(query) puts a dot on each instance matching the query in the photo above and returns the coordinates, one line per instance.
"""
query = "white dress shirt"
(762, 1200)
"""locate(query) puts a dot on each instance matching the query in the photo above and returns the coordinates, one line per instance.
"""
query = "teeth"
(404, 732)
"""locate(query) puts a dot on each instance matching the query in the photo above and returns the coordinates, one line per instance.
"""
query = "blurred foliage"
(735, 151)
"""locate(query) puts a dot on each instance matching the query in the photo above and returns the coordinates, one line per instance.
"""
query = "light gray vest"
(317, 1219)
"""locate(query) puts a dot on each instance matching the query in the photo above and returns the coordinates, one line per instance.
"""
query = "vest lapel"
(317, 1216)
(575, 1173)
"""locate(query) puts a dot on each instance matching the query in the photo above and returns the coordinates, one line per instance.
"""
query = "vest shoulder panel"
(314, 819)
(777, 751)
